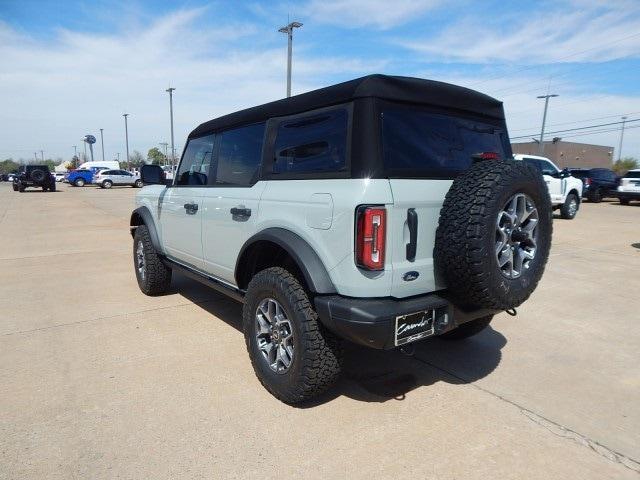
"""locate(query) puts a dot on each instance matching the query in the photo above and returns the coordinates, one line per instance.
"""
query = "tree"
(156, 157)
(623, 166)
(136, 159)
(9, 166)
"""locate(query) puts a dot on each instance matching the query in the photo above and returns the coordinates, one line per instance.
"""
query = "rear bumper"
(628, 195)
(371, 321)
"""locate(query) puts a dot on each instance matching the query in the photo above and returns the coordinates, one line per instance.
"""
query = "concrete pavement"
(100, 381)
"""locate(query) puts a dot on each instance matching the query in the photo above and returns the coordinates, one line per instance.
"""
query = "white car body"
(629, 188)
(559, 186)
(110, 164)
(108, 178)
(59, 176)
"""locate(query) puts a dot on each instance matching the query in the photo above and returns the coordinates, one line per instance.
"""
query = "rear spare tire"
(494, 235)
(38, 176)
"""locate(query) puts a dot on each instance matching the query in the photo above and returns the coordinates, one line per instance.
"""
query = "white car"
(565, 191)
(110, 178)
(629, 188)
(382, 210)
(59, 176)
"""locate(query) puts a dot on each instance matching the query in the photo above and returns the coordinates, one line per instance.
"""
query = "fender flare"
(142, 215)
(314, 272)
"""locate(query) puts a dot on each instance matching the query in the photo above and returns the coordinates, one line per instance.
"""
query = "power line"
(608, 130)
(577, 121)
(581, 128)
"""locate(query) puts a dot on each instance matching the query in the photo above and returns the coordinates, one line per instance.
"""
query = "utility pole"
(173, 148)
(85, 150)
(102, 142)
(164, 145)
(42, 154)
(544, 120)
(288, 29)
(126, 133)
(35, 155)
(624, 120)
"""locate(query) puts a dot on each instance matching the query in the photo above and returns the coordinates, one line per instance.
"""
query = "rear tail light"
(371, 227)
(587, 181)
(486, 156)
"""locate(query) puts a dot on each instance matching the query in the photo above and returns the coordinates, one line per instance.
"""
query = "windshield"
(418, 143)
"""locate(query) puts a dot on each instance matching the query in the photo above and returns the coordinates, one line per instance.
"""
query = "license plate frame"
(414, 326)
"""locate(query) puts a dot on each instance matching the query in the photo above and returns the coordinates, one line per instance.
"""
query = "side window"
(313, 143)
(194, 168)
(533, 162)
(239, 155)
(547, 168)
(125, 173)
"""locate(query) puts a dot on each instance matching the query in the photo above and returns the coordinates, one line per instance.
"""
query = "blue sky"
(71, 68)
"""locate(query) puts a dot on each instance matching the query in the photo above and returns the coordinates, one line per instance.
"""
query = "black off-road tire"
(52, 187)
(595, 196)
(465, 245)
(468, 329)
(565, 211)
(15, 187)
(624, 201)
(21, 188)
(38, 175)
(157, 278)
(317, 358)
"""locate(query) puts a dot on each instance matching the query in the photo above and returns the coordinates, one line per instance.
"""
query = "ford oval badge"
(410, 276)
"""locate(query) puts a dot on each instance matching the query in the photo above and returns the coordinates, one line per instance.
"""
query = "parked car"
(34, 176)
(383, 210)
(59, 176)
(11, 177)
(4, 177)
(629, 188)
(565, 191)
(598, 183)
(109, 178)
(83, 176)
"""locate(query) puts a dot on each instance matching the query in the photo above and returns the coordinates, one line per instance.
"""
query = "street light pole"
(35, 155)
(42, 154)
(624, 120)
(126, 133)
(288, 29)
(75, 152)
(544, 120)
(173, 148)
(102, 142)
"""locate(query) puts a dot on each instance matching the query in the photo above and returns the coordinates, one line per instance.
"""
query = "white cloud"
(382, 14)
(581, 31)
(56, 91)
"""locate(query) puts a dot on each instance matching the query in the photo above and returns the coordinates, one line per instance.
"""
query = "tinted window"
(194, 168)
(314, 143)
(239, 155)
(632, 175)
(124, 172)
(547, 168)
(418, 143)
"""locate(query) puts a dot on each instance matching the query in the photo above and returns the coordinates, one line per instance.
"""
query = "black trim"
(147, 219)
(371, 321)
(315, 274)
(208, 280)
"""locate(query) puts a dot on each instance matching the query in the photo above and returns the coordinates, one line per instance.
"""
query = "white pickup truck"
(565, 191)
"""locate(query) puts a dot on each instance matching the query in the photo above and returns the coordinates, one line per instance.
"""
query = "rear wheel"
(624, 201)
(570, 207)
(595, 196)
(137, 184)
(468, 329)
(107, 184)
(292, 354)
(154, 277)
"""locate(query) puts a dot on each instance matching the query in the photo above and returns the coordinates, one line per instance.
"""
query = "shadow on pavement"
(378, 375)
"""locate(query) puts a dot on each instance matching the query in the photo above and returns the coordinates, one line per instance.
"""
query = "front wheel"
(292, 354)
(79, 182)
(570, 207)
(595, 196)
(468, 329)
(137, 184)
(154, 277)
(107, 184)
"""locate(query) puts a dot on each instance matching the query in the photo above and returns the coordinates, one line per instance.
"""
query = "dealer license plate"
(414, 326)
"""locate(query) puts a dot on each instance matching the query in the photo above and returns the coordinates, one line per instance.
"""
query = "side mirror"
(153, 175)
(564, 173)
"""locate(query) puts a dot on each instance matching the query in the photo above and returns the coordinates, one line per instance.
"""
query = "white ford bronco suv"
(380, 211)
(565, 190)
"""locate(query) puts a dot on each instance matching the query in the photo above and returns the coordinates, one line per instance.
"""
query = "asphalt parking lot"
(99, 381)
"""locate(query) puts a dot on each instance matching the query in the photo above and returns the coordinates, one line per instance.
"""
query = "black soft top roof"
(401, 89)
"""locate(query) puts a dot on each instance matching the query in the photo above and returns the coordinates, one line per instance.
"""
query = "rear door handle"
(412, 223)
(191, 208)
(240, 213)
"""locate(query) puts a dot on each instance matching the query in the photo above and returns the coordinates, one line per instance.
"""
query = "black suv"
(34, 176)
(598, 182)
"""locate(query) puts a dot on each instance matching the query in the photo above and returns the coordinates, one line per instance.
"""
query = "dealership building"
(569, 154)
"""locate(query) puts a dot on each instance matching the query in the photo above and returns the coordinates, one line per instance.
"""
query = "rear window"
(632, 175)
(418, 143)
